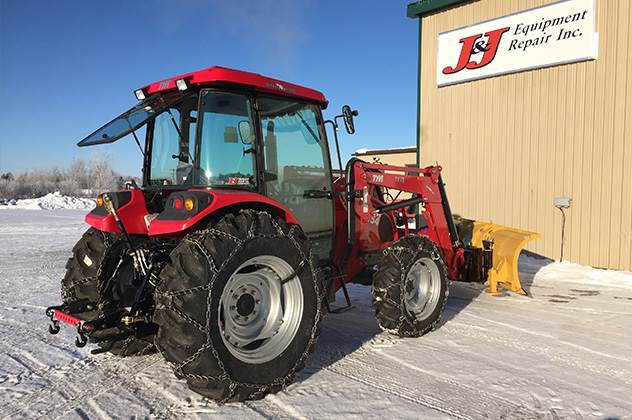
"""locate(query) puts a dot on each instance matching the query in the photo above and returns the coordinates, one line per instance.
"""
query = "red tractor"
(228, 256)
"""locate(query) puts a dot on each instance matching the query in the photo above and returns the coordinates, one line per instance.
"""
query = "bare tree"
(76, 181)
(77, 173)
(102, 176)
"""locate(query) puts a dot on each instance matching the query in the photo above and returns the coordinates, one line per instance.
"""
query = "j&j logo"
(473, 46)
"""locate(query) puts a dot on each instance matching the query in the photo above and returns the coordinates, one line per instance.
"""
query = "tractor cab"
(255, 135)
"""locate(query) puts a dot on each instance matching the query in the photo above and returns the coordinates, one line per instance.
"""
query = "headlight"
(141, 94)
(183, 84)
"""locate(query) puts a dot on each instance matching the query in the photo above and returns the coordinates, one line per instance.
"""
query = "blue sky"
(67, 66)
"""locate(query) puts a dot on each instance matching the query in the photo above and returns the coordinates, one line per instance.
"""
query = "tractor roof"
(221, 76)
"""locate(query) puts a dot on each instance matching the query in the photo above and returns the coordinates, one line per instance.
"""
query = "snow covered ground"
(564, 352)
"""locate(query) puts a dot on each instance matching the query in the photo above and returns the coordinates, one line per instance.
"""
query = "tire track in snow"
(531, 342)
(271, 407)
(519, 365)
(49, 393)
(424, 388)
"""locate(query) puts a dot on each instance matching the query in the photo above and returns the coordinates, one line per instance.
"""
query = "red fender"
(130, 206)
(174, 221)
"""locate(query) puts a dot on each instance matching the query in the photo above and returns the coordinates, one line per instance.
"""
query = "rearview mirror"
(245, 132)
(347, 115)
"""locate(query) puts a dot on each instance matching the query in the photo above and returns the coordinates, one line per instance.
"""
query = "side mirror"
(245, 132)
(347, 115)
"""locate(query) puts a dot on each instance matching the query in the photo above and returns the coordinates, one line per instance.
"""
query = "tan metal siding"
(511, 144)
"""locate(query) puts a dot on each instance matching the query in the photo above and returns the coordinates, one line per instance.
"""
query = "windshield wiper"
(173, 120)
(308, 127)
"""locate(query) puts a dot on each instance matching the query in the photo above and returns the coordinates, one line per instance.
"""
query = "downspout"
(419, 95)
(418, 216)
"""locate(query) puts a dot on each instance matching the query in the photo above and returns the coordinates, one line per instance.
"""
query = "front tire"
(410, 287)
(239, 308)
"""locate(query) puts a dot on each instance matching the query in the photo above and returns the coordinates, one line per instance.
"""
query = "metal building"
(527, 103)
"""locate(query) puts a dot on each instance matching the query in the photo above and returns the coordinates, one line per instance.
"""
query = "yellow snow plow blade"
(506, 244)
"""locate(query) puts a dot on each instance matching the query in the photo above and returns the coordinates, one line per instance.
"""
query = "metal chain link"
(405, 326)
(198, 239)
(69, 290)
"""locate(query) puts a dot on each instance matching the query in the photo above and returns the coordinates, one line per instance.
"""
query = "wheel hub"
(259, 316)
(422, 288)
(245, 304)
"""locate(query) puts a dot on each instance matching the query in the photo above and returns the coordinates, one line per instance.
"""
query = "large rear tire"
(239, 307)
(410, 287)
(94, 259)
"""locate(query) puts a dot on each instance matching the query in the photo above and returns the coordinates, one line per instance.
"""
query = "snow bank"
(53, 201)
(567, 272)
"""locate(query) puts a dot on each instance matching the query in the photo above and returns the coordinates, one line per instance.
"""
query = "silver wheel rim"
(422, 288)
(259, 316)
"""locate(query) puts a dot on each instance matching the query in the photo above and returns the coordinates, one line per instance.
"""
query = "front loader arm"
(477, 252)
(426, 184)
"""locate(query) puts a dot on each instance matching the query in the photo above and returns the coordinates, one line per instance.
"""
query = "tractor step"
(342, 309)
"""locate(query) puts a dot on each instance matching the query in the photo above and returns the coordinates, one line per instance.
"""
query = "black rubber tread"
(94, 258)
(191, 286)
(389, 283)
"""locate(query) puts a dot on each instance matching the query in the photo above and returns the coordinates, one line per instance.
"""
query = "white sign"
(557, 33)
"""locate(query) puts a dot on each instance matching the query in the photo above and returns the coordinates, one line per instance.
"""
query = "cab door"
(297, 170)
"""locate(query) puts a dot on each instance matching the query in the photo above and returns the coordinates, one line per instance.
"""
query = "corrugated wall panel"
(625, 233)
(623, 112)
(511, 144)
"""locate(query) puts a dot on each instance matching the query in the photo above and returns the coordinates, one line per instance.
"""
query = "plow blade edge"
(506, 244)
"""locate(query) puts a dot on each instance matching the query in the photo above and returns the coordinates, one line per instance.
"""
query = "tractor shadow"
(343, 333)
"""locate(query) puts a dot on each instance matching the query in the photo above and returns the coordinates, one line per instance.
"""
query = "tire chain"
(396, 253)
(197, 239)
(149, 347)
(68, 291)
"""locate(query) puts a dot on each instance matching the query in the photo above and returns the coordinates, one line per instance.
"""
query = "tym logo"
(472, 46)
(378, 178)
(164, 84)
